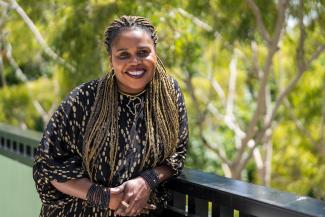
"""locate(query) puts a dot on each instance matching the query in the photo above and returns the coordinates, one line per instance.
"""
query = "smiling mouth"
(136, 73)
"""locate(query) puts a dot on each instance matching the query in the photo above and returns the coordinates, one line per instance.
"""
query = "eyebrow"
(122, 49)
(146, 47)
(140, 47)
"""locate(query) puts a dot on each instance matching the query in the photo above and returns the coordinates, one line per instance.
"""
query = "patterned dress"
(59, 154)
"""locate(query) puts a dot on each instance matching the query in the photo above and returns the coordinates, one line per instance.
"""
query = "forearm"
(79, 188)
(76, 187)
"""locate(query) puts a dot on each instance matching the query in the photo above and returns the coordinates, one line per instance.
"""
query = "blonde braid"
(102, 122)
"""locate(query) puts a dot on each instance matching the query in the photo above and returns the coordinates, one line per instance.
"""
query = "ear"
(110, 62)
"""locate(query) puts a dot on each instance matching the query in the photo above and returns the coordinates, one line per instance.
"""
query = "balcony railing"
(194, 193)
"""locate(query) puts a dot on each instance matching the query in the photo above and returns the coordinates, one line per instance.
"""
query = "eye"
(123, 55)
(143, 53)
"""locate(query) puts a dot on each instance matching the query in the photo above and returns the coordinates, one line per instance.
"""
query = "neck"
(132, 94)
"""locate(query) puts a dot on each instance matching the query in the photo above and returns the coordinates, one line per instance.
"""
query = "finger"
(138, 212)
(139, 208)
(118, 189)
(115, 191)
(133, 212)
(131, 209)
(150, 206)
(144, 211)
(124, 205)
(121, 209)
(136, 207)
(118, 212)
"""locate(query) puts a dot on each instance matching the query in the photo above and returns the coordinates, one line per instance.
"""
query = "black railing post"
(198, 206)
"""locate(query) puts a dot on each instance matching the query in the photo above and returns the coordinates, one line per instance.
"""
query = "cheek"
(152, 61)
(117, 64)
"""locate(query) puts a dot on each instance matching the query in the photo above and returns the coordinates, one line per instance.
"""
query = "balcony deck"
(194, 193)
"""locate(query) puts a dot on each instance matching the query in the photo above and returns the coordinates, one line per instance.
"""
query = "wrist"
(144, 182)
(151, 178)
(98, 196)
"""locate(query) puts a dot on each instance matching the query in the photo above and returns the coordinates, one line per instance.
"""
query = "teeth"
(135, 72)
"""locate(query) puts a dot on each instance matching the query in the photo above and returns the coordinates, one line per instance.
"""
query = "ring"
(125, 204)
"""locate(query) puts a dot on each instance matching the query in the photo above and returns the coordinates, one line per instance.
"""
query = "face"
(133, 58)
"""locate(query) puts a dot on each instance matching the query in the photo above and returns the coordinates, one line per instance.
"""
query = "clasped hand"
(135, 194)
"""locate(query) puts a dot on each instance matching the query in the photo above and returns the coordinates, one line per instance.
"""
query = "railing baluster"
(21, 149)
(226, 212)
(201, 207)
(177, 205)
(198, 206)
(14, 146)
(241, 214)
(8, 144)
(221, 211)
(215, 210)
(191, 204)
(2, 142)
(28, 151)
(179, 200)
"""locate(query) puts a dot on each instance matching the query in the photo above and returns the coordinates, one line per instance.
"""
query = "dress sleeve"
(58, 156)
(176, 161)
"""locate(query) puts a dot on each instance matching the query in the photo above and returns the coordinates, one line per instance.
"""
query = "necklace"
(131, 95)
(135, 102)
(135, 105)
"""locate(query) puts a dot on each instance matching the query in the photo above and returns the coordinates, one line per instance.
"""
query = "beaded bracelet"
(151, 178)
(98, 196)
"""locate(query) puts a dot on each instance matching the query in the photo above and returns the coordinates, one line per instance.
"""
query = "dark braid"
(126, 23)
(160, 110)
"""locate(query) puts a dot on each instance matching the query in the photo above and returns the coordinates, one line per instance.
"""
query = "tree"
(252, 135)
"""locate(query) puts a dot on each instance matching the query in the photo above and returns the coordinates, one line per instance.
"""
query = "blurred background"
(252, 72)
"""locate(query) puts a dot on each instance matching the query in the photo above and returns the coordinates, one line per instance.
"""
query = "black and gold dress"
(60, 153)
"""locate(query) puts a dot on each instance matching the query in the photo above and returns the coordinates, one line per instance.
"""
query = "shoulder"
(85, 89)
(175, 84)
(177, 88)
(81, 96)
(178, 92)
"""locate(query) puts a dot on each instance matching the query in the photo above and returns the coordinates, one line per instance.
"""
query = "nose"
(134, 59)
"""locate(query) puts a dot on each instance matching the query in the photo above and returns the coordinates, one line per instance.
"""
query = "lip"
(136, 76)
(136, 68)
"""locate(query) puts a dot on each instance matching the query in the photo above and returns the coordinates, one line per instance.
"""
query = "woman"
(113, 142)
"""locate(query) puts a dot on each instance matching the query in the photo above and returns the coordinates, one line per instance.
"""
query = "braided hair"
(161, 112)
(128, 23)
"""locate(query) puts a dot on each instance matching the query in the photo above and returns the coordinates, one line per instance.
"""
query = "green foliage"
(296, 168)
(16, 104)
(13, 111)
